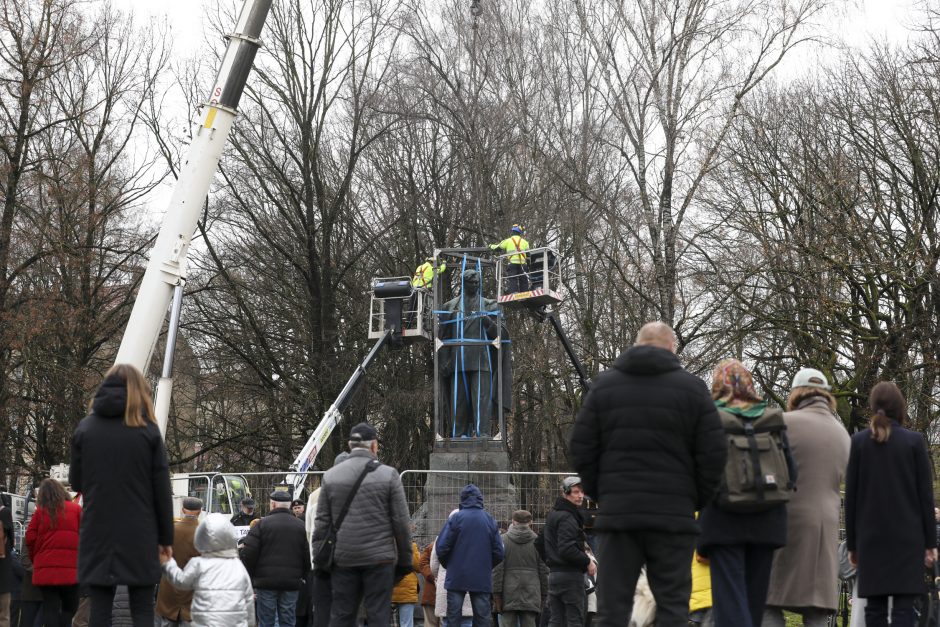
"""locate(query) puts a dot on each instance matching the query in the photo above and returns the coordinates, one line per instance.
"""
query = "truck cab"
(220, 493)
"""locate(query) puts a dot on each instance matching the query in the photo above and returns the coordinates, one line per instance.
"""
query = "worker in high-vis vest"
(422, 279)
(516, 270)
(424, 275)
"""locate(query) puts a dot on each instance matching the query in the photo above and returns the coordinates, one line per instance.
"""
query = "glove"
(402, 571)
(498, 603)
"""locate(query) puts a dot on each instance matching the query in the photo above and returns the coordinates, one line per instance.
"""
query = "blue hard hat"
(516, 228)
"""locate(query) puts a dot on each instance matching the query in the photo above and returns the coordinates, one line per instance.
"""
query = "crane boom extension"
(167, 266)
(332, 417)
(556, 324)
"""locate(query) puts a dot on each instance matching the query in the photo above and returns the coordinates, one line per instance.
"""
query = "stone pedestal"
(449, 473)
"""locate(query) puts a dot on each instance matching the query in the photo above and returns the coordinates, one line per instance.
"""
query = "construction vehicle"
(166, 272)
(220, 493)
(391, 321)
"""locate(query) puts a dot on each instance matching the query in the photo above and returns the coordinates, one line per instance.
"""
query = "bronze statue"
(469, 371)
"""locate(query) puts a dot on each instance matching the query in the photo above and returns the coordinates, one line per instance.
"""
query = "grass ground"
(793, 620)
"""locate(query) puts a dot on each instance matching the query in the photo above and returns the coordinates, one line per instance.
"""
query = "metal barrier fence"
(433, 494)
(19, 536)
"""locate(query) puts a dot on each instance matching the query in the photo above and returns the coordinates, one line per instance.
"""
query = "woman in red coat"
(52, 540)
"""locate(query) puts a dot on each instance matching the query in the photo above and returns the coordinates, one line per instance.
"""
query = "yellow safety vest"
(515, 244)
(424, 275)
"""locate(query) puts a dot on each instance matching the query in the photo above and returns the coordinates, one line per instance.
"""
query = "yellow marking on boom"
(210, 117)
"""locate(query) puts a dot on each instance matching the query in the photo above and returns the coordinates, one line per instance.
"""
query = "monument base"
(451, 471)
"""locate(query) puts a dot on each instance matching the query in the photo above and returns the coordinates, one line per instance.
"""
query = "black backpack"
(757, 476)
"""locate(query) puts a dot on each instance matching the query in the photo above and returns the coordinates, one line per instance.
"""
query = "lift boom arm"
(579, 368)
(334, 414)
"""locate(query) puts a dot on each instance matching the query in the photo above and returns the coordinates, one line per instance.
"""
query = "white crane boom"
(167, 266)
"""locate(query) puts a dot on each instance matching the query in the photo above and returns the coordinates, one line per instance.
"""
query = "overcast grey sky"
(862, 19)
(856, 24)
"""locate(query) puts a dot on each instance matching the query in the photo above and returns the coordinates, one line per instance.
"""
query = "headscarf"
(733, 386)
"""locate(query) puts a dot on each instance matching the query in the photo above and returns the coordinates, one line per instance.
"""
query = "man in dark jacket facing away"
(373, 544)
(520, 583)
(566, 555)
(469, 547)
(276, 555)
(650, 447)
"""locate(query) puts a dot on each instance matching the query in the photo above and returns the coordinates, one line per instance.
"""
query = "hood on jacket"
(111, 398)
(215, 535)
(521, 534)
(471, 496)
(561, 503)
(644, 359)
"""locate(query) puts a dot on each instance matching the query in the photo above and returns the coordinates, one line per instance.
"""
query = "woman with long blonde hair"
(889, 515)
(119, 464)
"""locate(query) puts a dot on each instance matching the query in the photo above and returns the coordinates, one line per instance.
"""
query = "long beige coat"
(805, 571)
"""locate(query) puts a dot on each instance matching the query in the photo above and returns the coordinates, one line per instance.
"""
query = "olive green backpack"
(756, 477)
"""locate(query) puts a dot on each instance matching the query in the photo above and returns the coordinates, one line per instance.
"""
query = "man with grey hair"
(648, 444)
(363, 502)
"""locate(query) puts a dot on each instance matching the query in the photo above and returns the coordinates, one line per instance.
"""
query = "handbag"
(323, 560)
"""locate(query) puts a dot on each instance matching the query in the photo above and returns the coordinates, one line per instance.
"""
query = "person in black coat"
(565, 547)
(649, 446)
(276, 555)
(889, 510)
(6, 563)
(119, 465)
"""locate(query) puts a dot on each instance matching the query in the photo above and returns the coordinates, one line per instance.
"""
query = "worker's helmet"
(429, 258)
(518, 229)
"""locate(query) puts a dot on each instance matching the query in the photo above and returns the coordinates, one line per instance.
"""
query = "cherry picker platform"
(400, 314)
(466, 331)
(541, 280)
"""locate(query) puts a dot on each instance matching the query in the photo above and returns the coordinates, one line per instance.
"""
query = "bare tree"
(78, 205)
(674, 74)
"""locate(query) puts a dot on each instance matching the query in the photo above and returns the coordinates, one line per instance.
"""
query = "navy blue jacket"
(462, 543)
(124, 477)
(889, 516)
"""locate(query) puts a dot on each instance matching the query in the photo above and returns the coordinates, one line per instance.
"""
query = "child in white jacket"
(222, 596)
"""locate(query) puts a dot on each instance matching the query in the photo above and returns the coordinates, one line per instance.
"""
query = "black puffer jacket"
(564, 539)
(648, 444)
(275, 552)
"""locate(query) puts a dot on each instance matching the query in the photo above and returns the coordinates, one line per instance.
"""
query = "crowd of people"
(712, 508)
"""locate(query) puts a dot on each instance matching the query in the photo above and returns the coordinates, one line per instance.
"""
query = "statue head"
(471, 281)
